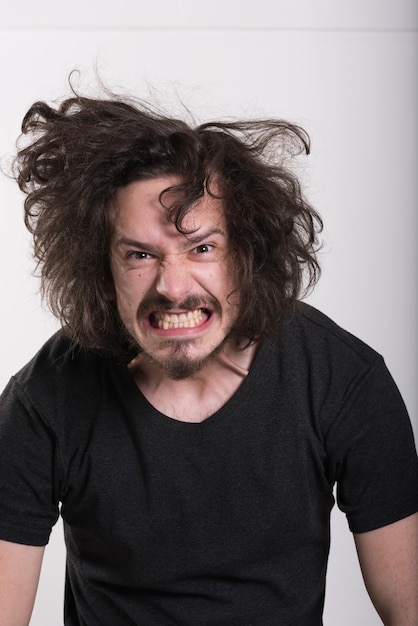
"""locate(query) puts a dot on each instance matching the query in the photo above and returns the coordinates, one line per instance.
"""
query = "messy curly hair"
(81, 151)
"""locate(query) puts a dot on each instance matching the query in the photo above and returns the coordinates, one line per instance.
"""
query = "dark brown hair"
(81, 151)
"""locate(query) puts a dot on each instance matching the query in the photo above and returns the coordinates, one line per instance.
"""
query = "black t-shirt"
(224, 522)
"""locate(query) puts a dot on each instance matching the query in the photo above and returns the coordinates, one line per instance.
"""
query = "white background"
(346, 70)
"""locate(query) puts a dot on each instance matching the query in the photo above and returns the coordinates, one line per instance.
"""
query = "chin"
(182, 369)
(179, 366)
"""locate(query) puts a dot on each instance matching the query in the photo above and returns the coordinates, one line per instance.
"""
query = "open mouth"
(184, 319)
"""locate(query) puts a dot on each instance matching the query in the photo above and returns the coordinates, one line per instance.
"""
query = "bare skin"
(389, 562)
(20, 567)
(195, 398)
(177, 296)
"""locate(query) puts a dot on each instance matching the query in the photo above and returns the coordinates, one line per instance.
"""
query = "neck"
(200, 395)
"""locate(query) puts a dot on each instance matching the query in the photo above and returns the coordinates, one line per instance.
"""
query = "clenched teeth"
(168, 321)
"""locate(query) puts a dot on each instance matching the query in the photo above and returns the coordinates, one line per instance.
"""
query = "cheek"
(129, 291)
(229, 279)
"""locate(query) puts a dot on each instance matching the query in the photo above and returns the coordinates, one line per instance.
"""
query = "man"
(193, 415)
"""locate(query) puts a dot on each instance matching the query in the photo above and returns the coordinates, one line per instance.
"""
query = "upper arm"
(389, 562)
(20, 566)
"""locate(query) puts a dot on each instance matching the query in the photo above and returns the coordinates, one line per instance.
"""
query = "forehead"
(138, 205)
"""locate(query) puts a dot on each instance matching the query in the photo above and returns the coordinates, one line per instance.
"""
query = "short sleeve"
(371, 448)
(29, 470)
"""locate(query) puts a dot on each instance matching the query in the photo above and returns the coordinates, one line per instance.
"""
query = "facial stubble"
(178, 365)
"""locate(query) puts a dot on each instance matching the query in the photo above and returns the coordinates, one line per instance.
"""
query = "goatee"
(179, 366)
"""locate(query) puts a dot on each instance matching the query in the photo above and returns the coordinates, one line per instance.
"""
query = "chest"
(146, 489)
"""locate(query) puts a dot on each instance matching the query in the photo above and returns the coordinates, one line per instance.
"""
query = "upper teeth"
(179, 320)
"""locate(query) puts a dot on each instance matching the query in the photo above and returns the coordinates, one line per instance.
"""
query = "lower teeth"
(168, 325)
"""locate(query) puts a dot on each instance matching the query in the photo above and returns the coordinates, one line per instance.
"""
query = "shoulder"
(59, 372)
(58, 356)
(315, 334)
(55, 352)
(327, 363)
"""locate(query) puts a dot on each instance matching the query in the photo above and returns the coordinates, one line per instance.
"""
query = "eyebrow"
(133, 243)
(193, 239)
(189, 240)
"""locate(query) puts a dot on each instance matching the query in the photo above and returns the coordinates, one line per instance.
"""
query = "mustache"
(189, 303)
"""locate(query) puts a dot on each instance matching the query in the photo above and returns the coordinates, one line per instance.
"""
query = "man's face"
(173, 291)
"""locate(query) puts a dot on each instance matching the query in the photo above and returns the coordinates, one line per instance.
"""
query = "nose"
(174, 280)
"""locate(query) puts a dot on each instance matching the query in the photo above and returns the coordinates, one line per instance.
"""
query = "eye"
(138, 255)
(204, 248)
